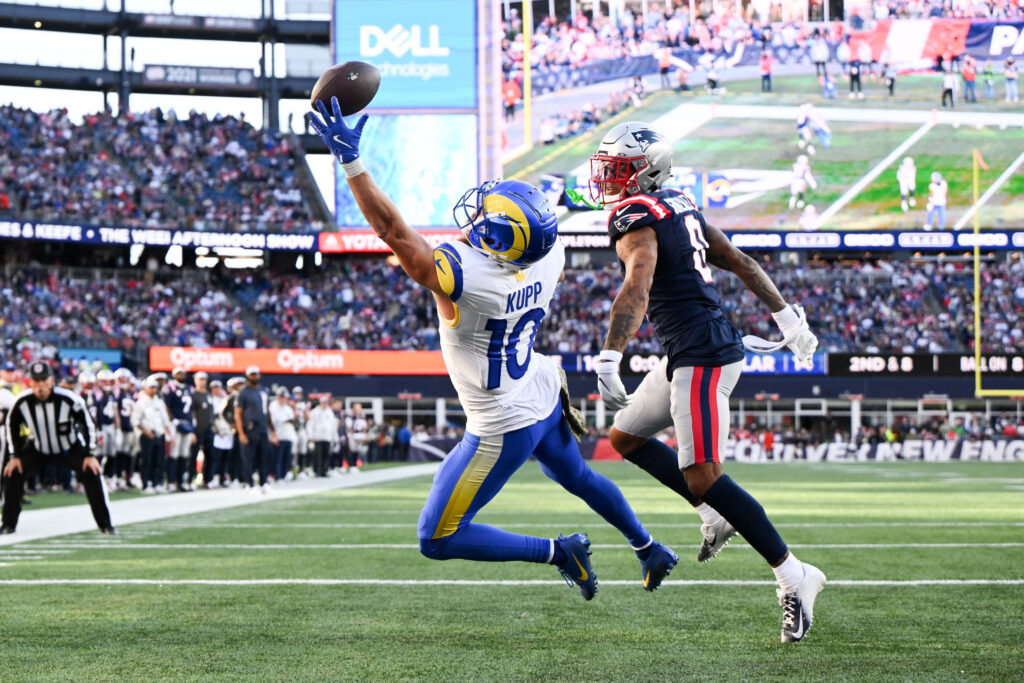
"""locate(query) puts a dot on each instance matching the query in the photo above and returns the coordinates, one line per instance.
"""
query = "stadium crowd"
(44, 308)
(874, 307)
(149, 169)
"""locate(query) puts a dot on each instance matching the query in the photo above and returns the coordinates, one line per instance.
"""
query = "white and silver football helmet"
(631, 159)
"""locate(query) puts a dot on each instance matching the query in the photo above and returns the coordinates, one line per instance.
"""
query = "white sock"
(708, 514)
(790, 573)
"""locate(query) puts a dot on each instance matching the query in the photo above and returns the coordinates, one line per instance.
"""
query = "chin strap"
(758, 345)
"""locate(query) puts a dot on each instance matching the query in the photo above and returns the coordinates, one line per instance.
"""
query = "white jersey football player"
(906, 176)
(802, 179)
(493, 288)
(810, 123)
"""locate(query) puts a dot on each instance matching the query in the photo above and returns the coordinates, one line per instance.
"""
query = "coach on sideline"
(50, 425)
(253, 429)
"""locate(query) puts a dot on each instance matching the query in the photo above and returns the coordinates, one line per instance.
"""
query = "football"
(353, 83)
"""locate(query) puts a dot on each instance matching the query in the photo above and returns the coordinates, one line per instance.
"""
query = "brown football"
(353, 83)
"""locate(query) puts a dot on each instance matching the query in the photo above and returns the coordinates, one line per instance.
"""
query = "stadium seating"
(149, 169)
(881, 307)
(51, 308)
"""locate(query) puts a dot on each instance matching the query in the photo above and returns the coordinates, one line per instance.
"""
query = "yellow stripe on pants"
(469, 483)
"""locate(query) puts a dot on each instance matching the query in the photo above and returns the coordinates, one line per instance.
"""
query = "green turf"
(542, 631)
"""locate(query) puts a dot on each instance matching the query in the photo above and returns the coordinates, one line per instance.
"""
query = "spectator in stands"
(765, 66)
(855, 85)
(990, 82)
(889, 78)
(1010, 74)
(819, 53)
(510, 95)
(149, 170)
(969, 75)
(949, 89)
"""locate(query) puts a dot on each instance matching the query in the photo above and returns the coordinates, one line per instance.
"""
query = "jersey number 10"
(501, 351)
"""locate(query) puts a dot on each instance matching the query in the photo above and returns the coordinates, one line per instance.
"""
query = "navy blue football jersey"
(685, 306)
(178, 398)
(106, 407)
(125, 405)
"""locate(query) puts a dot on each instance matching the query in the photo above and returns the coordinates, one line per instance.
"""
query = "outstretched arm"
(792, 322)
(639, 251)
(724, 255)
(412, 251)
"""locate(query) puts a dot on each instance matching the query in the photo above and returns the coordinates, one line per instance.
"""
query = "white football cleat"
(716, 537)
(798, 607)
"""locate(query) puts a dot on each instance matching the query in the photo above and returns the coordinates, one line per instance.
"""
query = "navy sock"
(560, 556)
(487, 544)
(662, 463)
(746, 516)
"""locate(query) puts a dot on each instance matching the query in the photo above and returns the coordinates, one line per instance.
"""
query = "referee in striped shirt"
(51, 425)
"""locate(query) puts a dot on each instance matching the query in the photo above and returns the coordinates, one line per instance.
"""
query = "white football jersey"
(502, 383)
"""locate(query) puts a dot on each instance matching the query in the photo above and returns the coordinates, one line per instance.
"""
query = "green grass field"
(401, 617)
(770, 144)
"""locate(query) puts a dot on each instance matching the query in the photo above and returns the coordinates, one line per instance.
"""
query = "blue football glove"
(339, 138)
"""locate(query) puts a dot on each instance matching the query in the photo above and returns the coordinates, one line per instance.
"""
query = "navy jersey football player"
(493, 287)
(178, 397)
(666, 249)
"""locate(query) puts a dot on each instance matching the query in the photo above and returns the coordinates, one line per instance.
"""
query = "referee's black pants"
(32, 462)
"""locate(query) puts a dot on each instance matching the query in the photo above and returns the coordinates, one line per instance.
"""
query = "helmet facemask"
(509, 222)
(613, 178)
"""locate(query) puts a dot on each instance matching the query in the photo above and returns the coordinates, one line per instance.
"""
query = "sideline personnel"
(51, 425)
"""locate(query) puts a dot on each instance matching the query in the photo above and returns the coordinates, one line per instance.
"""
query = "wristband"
(612, 358)
(353, 168)
(786, 317)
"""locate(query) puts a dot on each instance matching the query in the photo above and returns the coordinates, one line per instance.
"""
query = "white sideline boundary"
(66, 547)
(870, 176)
(35, 525)
(468, 582)
(1003, 177)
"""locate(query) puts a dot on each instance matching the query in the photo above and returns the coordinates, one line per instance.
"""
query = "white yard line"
(869, 177)
(468, 582)
(1003, 177)
(59, 521)
(200, 524)
(861, 115)
(110, 545)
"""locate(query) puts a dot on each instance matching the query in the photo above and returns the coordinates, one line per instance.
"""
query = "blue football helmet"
(509, 221)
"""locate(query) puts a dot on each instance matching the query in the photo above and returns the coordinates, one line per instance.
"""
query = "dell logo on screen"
(373, 41)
